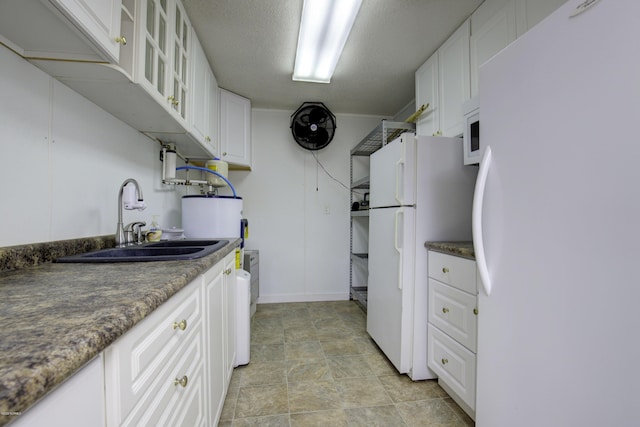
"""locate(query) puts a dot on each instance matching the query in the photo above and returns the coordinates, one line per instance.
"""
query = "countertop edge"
(462, 249)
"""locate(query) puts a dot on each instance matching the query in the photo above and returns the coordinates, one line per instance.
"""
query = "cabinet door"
(454, 312)
(235, 122)
(154, 49)
(139, 359)
(215, 340)
(97, 19)
(452, 270)
(454, 364)
(204, 99)
(213, 145)
(454, 80)
(489, 36)
(180, 54)
(200, 123)
(427, 92)
(230, 314)
(530, 12)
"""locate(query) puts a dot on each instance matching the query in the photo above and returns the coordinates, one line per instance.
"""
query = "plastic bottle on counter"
(155, 232)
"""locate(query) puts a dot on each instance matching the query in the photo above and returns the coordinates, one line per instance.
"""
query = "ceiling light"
(324, 29)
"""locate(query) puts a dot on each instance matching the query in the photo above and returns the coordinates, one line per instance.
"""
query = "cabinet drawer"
(453, 311)
(136, 360)
(454, 364)
(167, 402)
(452, 270)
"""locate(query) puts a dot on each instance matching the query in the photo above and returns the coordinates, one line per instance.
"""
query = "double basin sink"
(170, 250)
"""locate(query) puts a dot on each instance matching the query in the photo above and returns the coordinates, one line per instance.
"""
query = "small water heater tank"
(205, 217)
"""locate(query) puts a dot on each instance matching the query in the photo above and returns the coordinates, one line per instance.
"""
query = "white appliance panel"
(557, 335)
(390, 287)
(392, 181)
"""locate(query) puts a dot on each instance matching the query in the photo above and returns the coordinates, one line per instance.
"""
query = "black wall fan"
(313, 125)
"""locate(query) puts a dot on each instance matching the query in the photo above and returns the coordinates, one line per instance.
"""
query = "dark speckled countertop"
(57, 317)
(461, 249)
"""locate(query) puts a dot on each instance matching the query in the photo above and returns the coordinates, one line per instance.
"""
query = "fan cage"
(313, 126)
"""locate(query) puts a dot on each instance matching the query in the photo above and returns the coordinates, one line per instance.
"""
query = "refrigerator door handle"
(398, 247)
(399, 180)
(476, 220)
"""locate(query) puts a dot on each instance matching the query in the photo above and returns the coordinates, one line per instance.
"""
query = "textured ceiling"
(251, 47)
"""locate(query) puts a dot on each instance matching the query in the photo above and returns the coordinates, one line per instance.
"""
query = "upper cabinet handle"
(476, 220)
(122, 40)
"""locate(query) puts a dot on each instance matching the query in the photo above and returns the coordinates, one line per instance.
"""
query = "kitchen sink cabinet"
(174, 367)
(235, 129)
(142, 367)
(443, 82)
(216, 349)
(230, 296)
(453, 326)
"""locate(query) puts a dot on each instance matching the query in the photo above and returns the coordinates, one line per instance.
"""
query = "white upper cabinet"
(180, 70)
(151, 84)
(427, 93)
(493, 27)
(530, 12)
(497, 23)
(454, 80)
(84, 30)
(163, 54)
(235, 129)
(204, 101)
(443, 82)
(99, 20)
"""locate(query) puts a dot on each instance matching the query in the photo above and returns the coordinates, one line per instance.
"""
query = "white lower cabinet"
(453, 326)
(79, 401)
(173, 368)
(218, 285)
(229, 277)
(454, 364)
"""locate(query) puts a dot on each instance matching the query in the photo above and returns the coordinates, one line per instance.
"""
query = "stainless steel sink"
(172, 250)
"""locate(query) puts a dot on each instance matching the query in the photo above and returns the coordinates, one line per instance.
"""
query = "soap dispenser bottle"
(155, 232)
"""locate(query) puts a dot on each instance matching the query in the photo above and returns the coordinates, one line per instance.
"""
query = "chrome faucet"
(133, 233)
(121, 240)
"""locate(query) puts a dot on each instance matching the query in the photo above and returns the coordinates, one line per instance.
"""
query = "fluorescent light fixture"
(324, 29)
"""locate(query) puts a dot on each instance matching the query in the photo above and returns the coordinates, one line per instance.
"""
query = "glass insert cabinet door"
(156, 39)
(180, 71)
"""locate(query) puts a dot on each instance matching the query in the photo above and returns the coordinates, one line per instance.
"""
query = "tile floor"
(313, 364)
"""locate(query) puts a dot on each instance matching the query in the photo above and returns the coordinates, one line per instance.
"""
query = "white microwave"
(471, 136)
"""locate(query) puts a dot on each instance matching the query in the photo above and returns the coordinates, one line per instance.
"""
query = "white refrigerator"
(420, 191)
(557, 223)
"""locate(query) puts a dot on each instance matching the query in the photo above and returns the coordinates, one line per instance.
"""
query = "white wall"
(302, 233)
(64, 159)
